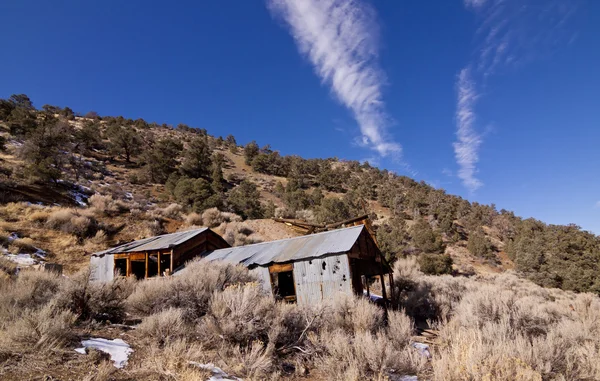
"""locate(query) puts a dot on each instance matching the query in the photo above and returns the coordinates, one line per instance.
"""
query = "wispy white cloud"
(339, 38)
(510, 33)
(467, 146)
(597, 205)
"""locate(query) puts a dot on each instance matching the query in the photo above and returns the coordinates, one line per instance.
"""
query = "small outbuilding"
(315, 267)
(154, 256)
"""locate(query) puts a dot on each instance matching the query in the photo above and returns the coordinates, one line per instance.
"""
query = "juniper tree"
(250, 151)
(245, 200)
(197, 158)
(124, 140)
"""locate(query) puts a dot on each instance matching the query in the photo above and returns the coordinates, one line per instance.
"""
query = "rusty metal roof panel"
(291, 249)
(161, 242)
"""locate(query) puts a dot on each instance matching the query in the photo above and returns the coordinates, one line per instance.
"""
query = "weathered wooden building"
(314, 267)
(154, 256)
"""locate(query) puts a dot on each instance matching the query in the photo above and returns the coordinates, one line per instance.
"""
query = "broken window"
(121, 266)
(138, 269)
(152, 265)
(282, 282)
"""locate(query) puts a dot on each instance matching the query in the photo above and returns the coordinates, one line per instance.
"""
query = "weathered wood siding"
(322, 278)
(262, 273)
(102, 268)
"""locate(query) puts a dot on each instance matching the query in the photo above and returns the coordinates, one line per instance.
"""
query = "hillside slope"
(72, 185)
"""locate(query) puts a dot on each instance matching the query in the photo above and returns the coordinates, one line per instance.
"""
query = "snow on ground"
(373, 297)
(22, 259)
(118, 349)
(423, 349)
(217, 373)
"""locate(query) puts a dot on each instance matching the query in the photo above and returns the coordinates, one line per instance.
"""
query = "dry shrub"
(99, 238)
(510, 329)
(173, 361)
(150, 229)
(38, 217)
(426, 297)
(106, 205)
(7, 267)
(172, 211)
(30, 290)
(400, 328)
(213, 217)
(72, 222)
(164, 326)
(353, 314)
(45, 329)
(253, 362)
(240, 314)
(190, 290)
(104, 371)
(193, 219)
(305, 215)
(22, 245)
(239, 234)
(4, 238)
(366, 356)
(103, 301)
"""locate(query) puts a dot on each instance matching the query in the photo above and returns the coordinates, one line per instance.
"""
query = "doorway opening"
(282, 282)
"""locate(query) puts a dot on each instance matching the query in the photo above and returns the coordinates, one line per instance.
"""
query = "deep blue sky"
(231, 67)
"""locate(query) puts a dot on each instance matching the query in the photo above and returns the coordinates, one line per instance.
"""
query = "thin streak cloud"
(339, 38)
(468, 141)
(510, 33)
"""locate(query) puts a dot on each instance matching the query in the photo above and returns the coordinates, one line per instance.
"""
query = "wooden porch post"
(159, 272)
(128, 270)
(172, 261)
(147, 259)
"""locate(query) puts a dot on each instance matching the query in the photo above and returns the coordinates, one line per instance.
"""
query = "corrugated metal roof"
(291, 249)
(160, 242)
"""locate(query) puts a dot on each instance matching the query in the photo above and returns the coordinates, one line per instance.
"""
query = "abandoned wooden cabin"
(154, 256)
(314, 267)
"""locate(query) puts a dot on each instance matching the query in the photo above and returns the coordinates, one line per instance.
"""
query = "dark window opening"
(324, 265)
(165, 263)
(121, 266)
(283, 285)
(152, 265)
(138, 269)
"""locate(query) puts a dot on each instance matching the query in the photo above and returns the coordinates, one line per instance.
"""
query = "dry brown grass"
(7, 267)
(72, 222)
(22, 245)
(501, 327)
(490, 328)
(38, 217)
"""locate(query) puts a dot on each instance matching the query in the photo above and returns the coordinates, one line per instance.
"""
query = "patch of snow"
(118, 349)
(40, 253)
(79, 198)
(22, 259)
(373, 297)
(129, 195)
(12, 237)
(408, 378)
(217, 373)
(423, 349)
